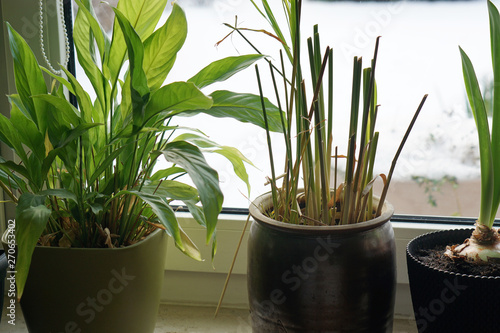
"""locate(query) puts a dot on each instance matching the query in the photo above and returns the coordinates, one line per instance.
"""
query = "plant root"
(482, 247)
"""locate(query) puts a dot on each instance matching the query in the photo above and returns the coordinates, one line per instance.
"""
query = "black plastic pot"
(3, 273)
(450, 302)
(321, 279)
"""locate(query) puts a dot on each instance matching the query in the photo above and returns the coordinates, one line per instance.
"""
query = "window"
(418, 55)
(438, 171)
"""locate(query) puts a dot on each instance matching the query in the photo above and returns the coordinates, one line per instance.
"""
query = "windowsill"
(200, 283)
(192, 289)
(192, 319)
(230, 227)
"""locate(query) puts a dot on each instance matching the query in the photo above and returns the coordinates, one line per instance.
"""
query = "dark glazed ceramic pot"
(319, 278)
(91, 290)
(450, 302)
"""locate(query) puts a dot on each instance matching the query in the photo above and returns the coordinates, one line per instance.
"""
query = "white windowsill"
(200, 283)
(192, 289)
(196, 319)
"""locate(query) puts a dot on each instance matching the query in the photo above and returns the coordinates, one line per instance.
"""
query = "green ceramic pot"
(89, 290)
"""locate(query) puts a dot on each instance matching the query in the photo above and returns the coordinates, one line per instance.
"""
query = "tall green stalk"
(310, 164)
(484, 244)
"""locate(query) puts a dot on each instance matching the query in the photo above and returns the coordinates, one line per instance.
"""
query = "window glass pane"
(438, 171)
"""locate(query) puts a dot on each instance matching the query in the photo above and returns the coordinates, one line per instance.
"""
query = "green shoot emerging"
(485, 241)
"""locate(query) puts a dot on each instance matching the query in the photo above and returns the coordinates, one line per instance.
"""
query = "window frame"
(188, 281)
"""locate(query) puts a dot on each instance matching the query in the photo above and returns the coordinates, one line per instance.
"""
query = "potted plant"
(454, 275)
(321, 249)
(93, 206)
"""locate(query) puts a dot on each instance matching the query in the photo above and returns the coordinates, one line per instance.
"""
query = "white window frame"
(200, 283)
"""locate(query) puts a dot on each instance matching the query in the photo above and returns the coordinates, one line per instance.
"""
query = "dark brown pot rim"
(88, 249)
(434, 233)
(264, 202)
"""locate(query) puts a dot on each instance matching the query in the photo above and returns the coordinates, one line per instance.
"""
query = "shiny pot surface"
(321, 279)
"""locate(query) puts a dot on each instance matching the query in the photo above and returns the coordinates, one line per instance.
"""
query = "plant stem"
(269, 146)
(286, 183)
(395, 159)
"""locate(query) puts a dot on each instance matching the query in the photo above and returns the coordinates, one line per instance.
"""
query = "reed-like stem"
(311, 164)
(269, 144)
(398, 152)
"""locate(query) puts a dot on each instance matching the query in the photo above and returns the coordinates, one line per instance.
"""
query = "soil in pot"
(435, 258)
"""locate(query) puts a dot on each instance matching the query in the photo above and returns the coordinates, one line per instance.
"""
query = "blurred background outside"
(438, 171)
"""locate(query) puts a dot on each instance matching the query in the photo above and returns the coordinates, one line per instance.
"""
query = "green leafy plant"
(311, 156)
(484, 243)
(85, 175)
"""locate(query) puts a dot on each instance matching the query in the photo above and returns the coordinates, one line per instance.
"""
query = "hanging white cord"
(66, 40)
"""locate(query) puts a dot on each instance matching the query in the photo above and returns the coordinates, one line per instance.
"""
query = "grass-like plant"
(87, 175)
(309, 191)
(312, 158)
(484, 243)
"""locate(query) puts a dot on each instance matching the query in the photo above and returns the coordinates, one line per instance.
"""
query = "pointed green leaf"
(242, 107)
(232, 154)
(165, 173)
(160, 49)
(204, 177)
(28, 76)
(167, 218)
(223, 69)
(171, 190)
(90, 26)
(139, 90)
(236, 158)
(10, 136)
(177, 97)
(28, 133)
(84, 102)
(144, 16)
(69, 115)
(59, 79)
(75, 133)
(485, 155)
(61, 193)
(197, 212)
(16, 168)
(12, 180)
(495, 132)
(31, 218)
(86, 32)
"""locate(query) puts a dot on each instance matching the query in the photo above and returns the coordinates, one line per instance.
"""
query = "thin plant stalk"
(313, 120)
(398, 152)
(269, 145)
